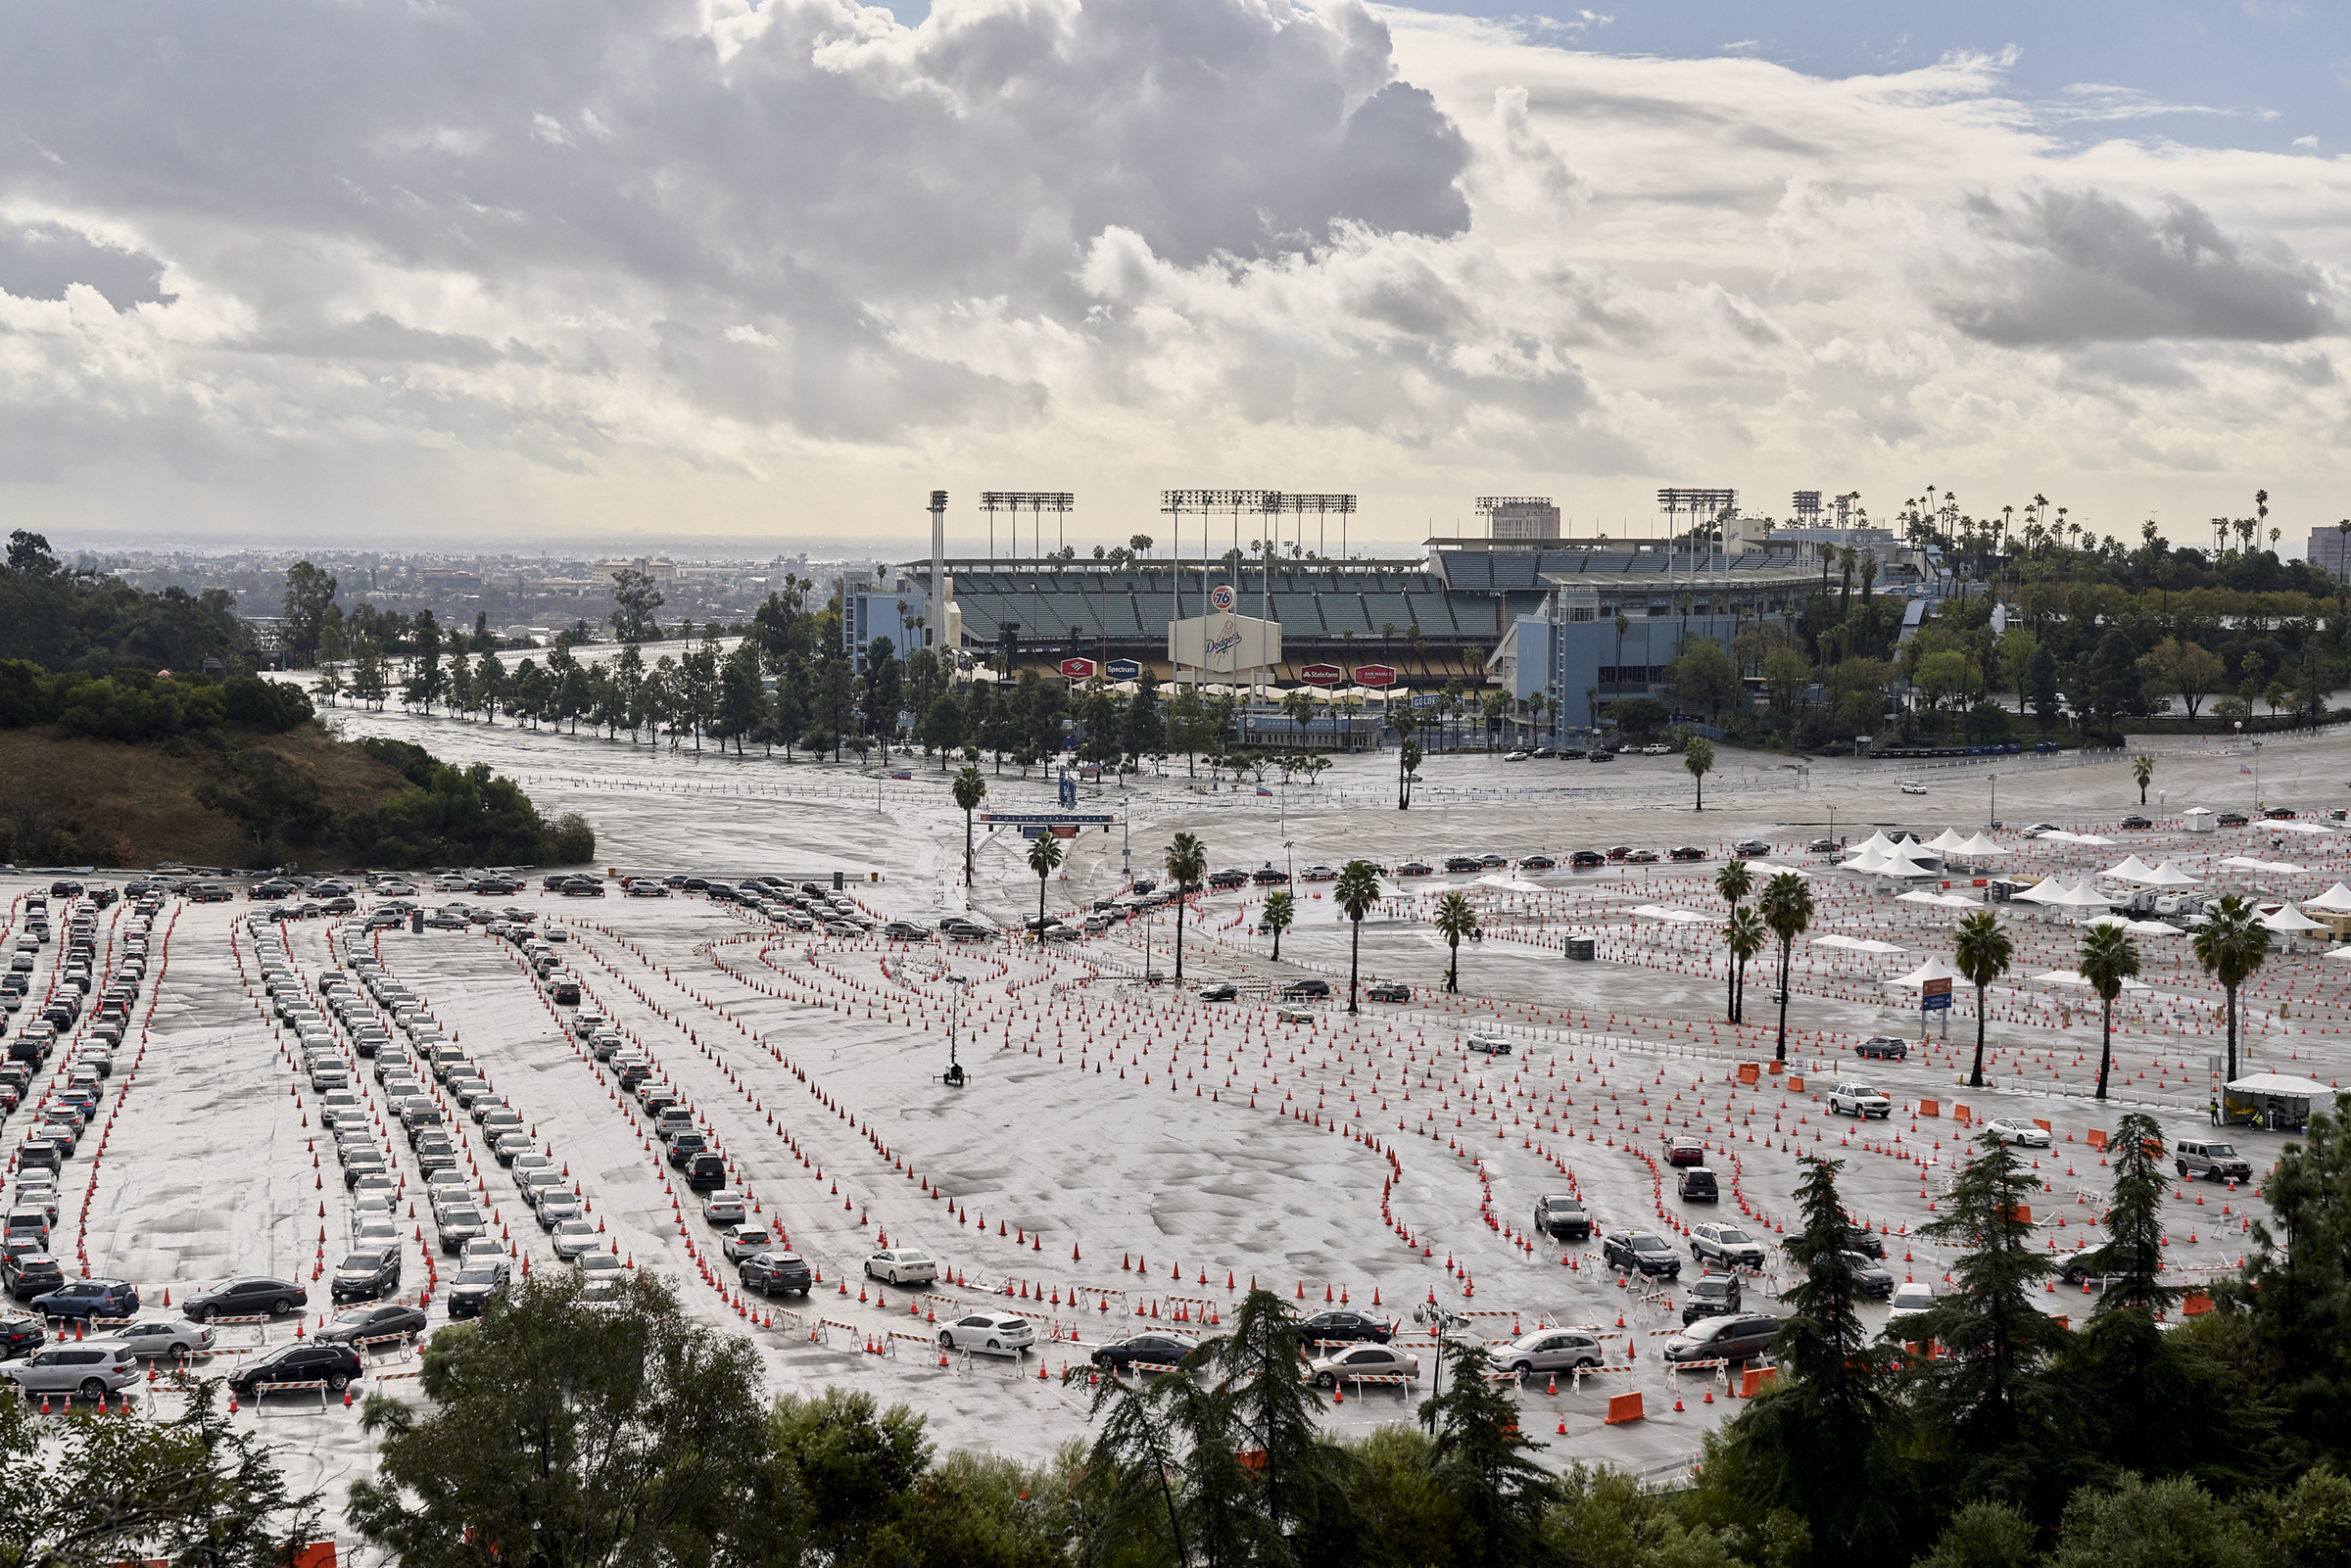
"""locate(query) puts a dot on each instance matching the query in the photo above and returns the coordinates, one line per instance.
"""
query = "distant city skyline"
(727, 279)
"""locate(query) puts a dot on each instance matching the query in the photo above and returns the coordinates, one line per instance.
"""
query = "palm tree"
(2142, 768)
(1698, 760)
(1044, 853)
(970, 789)
(1744, 936)
(1455, 921)
(2108, 957)
(1787, 908)
(2230, 944)
(1357, 890)
(1281, 910)
(1734, 883)
(1186, 863)
(1981, 950)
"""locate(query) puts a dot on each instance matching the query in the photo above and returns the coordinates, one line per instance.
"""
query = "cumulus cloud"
(2060, 266)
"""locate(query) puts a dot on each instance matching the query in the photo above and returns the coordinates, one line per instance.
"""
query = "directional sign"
(1935, 996)
(1077, 669)
(1322, 675)
(1374, 675)
(1122, 669)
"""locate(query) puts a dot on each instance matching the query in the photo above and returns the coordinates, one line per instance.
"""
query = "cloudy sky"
(443, 272)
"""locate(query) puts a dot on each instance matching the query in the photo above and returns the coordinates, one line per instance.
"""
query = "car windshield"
(1712, 1287)
(1863, 1088)
(478, 1276)
(1560, 1203)
(1648, 1243)
(2219, 1151)
(1703, 1332)
(361, 1260)
(1732, 1234)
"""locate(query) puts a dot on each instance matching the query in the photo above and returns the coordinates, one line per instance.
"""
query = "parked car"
(776, 1274)
(900, 1266)
(252, 1296)
(2199, 1158)
(1388, 991)
(1310, 989)
(2135, 821)
(89, 1368)
(1732, 1337)
(367, 1324)
(1640, 1250)
(1221, 991)
(305, 1361)
(1858, 1101)
(1548, 1350)
(2023, 1134)
(1727, 1245)
(1686, 852)
(1342, 1324)
(367, 1274)
(1750, 849)
(1710, 1296)
(1564, 1216)
(1144, 1349)
(993, 1332)
(1587, 860)
(1488, 1044)
(1363, 1360)
(1884, 1048)
(89, 1300)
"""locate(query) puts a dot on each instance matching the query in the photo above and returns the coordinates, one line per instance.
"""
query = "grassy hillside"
(127, 804)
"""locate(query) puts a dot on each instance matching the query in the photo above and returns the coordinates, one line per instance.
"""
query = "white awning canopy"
(2283, 1084)
(1934, 969)
(2336, 900)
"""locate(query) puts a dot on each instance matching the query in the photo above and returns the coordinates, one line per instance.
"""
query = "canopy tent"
(2248, 863)
(1935, 900)
(1877, 841)
(1764, 871)
(2277, 1101)
(2154, 928)
(2167, 875)
(2093, 839)
(1868, 863)
(2336, 900)
(1978, 848)
(2083, 896)
(2291, 922)
(1946, 841)
(2129, 871)
(2047, 890)
(1511, 885)
(2302, 828)
(1934, 969)
(1856, 944)
(2074, 977)
(1666, 911)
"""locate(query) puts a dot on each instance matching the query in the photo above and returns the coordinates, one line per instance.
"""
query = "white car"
(747, 1241)
(1488, 1044)
(1858, 1101)
(725, 1207)
(1910, 1300)
(1910, 786)
(2023, 1134)
(902, 1265)
(593, 1266)
(1514, 756)
(91, 1369)
(987, 1331)
(1363, 1360)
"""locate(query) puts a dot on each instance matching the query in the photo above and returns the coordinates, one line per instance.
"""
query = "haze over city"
(679, 277)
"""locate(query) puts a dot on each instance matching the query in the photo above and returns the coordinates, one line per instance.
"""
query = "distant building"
(872, 614)
(661, 572)
(2328, 551)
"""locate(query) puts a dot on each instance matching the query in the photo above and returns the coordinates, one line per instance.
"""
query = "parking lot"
(1121, 1157)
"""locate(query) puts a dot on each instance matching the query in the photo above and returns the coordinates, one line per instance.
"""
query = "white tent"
(1935, 900)
(1511, 885)
(1877, 841)
(2281, 1083)
(2093, 839)
(2074, 977)
(1665, 912)
(1764, 871)
(2303, 827)
(1856, 944)
(2047, 890)
(1946, 842)
(2167, 875)
(1978, 848)
(2289, 920)
(1934, 969)
(2198, 819)
(2336, 900)
(1868, 863)
(2283, 869)
(2154, 928)
(2129, 871)
(2244, 863)
(2081, 897)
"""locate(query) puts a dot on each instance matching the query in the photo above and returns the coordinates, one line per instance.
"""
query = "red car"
(1684, 1150)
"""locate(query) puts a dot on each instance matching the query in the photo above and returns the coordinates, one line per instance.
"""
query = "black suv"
(253, 1296)
(366, 1276)
(1306, 990)
(706, 1173)
(1642, 1250)
(21, 1336)
(1564, 1216)
(775, 1274)
(1388, 991)
(338, 1366)
(1710, 1296)
(1221, 991)
(1346, 1326)
(1885, 1048)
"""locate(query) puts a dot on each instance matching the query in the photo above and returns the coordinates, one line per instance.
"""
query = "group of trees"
(558, 1430)
(65, 618)
(2226, 634)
